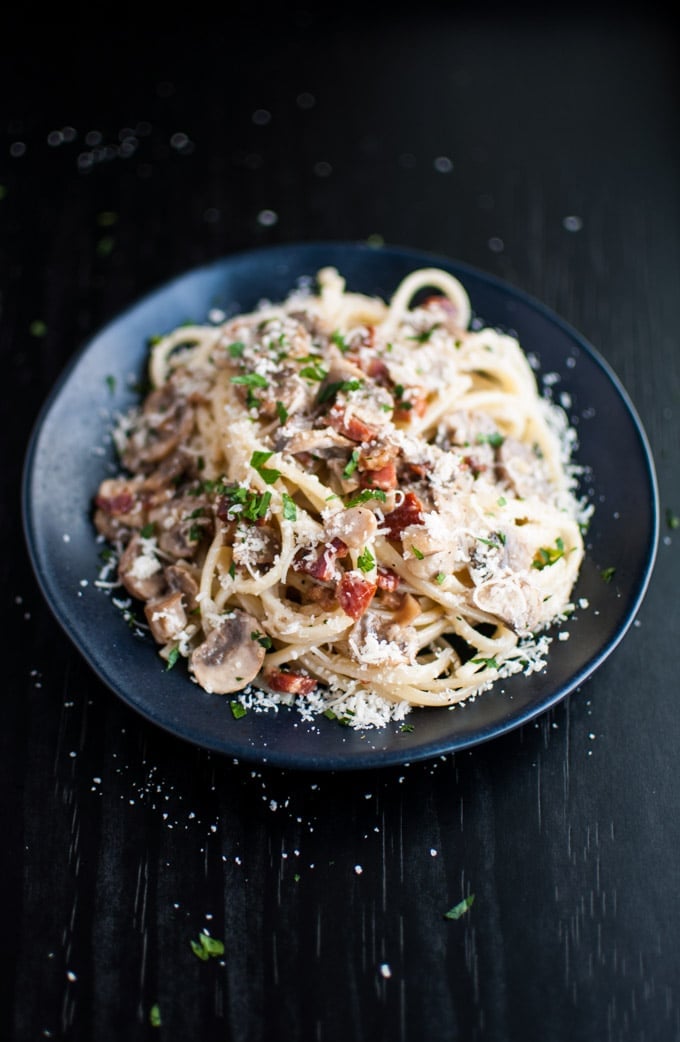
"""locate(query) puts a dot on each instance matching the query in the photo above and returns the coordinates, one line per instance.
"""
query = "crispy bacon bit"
(121, 503)
(351, 426)
(440, 301)
(355, 594)
(410, 512)
(384, 478)
(387, 579)
(321, 567)
(414, 403)
(378, 371)
(289, 683)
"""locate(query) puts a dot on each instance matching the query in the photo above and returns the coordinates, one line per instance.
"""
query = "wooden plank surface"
(540, 149)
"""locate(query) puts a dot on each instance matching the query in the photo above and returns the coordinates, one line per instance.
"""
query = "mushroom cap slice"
(231, 656)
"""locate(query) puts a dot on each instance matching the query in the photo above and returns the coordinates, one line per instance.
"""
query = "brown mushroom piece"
(231, 656)
(141, 574)
(165, 422)
(166, 616)
(324, 442)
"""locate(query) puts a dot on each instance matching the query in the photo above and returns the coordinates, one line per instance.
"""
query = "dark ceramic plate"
(70, 452)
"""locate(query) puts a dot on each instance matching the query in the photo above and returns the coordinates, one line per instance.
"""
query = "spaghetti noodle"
(355, 505)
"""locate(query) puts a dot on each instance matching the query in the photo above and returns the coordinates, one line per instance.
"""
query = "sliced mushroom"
(519, 465)
(180, 577)
(511, 600)
(165, 422)
(325, 442)
(140, 573)
(231, 656)
(166, 616)
(356, 526)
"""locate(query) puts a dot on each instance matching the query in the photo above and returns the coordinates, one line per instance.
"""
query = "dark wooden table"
(543, 150)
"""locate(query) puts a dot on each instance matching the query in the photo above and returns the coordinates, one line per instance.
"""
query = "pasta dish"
(350, 504)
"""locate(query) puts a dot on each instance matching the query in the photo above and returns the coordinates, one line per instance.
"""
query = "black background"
(542, 148)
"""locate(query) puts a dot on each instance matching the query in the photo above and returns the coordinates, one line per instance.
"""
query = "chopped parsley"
(250, 380)
(418, 554)
(422, 338)
(338, 339)
(111, 383)
(330, 390)
(257, 462)
(315, 371)
(173, 655)
(490, 663)
(366, 560)
(672, 520)
(238, 710)
(236, 349)
(351, 464)
(461, 908)
(281, 412)
(289, 508)
(155, 1016)
(439, 578)
(243, 502)
(207, 947)
(147, 531)
(547, 555)
(495, 439)
(262, 639)
(365, 495)
(607, 574)
(407, 729)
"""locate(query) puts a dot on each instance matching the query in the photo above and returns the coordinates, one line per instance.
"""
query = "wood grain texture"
(474, 138)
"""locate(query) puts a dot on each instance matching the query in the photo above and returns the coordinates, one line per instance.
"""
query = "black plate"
(70, 452)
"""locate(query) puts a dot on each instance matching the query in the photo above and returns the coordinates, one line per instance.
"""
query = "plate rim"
(373, 757)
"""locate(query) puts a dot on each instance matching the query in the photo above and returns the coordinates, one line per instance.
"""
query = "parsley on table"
(461, 908)
(207, 947)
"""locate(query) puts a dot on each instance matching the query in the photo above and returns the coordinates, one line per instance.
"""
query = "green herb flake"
(418, 554)
(407, 729)
(289, 508)
(105, 246)
(207, 947)
(281, 412)
(501, 501)
(608, 574)
(110, 383)
(365, 495)
(461, 908)
(155, 1016)
(250, 380)
(315, 372)
(490, 663)
(332, 389)
(238, 710)
(173, 655)
(672, 520)
(548, 555)
(495, 439)
(37, 328)
(262, 639)
(236, 349)
(147, 531)
(422, 338)
(338, 339)
(439, 578)
(3, 192)
(352, 464)
(257, 462)
(366, 560)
